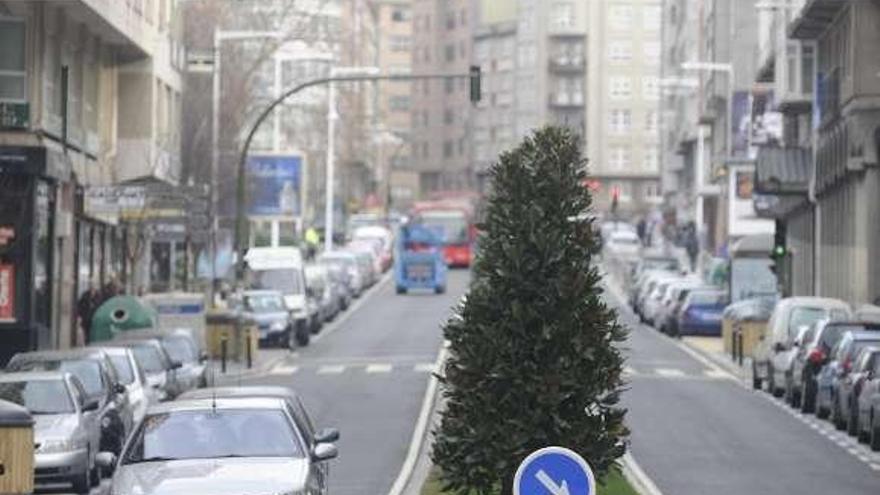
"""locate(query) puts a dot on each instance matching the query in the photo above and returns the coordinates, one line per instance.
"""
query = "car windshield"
(123, 368)
(668, 264)
(451, 227)
(831, 334)
(149, 358)
(213, 434)
(179, 349)
(804, 316)
(264, 303)
(707, 298)
(88, 371)
(286, 281)
(38, 396)
(862, 343)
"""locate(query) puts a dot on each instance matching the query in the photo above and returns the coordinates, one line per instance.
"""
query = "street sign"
(554, 471)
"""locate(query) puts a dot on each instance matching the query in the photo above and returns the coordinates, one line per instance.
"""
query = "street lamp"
(700, 179)
(332, 117)
(219, 37)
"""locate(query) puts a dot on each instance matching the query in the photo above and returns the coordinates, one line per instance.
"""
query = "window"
(448, 116)
(652, 191)
(447, 149)
(399, 15)
(562, 15)
(651, 17)
(650, 88)
(651, 51)
(450, 53)
(12, 71)
(620, 51)
(619, 121)
(620, 16)
(450, 21)
(400, 103)
(652, 159)
(400, 43)
(651, 121)
(618, 158)
(621, 88)
(450, 85)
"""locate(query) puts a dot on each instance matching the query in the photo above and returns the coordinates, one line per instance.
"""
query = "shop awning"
(782, 171)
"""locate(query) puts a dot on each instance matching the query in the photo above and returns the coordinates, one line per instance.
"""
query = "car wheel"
(771, 383)
(837, 414)
(787, 391)
(440, 289)
(852, 423)
(401, 289)
(757, 383)
(82, 483)
(808, 398)
(875, 433)
(302, 336)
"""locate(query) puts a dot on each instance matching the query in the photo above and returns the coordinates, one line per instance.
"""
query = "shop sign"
(7, 234)
(14, 115)
(7, 293)
(114, 200)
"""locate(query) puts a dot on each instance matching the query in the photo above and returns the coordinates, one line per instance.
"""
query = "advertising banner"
(7, 293)
(274, 185)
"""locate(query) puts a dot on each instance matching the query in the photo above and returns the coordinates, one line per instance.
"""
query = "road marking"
(716, 374)
(875, 467)
(420, 430)
(669, 372)
(425, 368)
(633, 473)
(629, 371)
(284, 370)
(331, 370)
(379, 368)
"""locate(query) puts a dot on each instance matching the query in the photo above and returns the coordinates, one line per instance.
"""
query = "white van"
(282, 269)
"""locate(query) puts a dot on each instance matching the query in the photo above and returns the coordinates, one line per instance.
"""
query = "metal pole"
(331, 167)
(215, 162)
(224, 343)
(701, 154)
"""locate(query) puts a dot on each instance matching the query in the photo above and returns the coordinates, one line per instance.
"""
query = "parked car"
(229, 446)
(653, 260)
(297, 409)
(348, 263)
(639, 284)
(96, 374)
(667, 319)
(383, 236)
(274, 321)
(701, 311)
(372, 248)
(282, 269)
(774, 350)
(813, 354)
(855, 337)
(368, 271)
(158, 366)
(339, 282)
(182, 348)
(623, 245)
(869, 407)
(793, 368)
(67, 426)
(130, 374)
(318, 281)
(848, 382)
(647, 288)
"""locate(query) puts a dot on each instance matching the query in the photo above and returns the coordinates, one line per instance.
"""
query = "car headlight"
(59, 445)
(278, 326)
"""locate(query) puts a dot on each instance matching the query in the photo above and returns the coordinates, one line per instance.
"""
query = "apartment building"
(90, 96)
(441, 108)
(822, 184)
(623, 103)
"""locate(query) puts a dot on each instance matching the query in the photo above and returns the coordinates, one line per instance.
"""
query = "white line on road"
(669, 372)
(331, 370)
(379, 368)
(425, 368)
(717, 375)
(633, 473)
(421, 429)
(284, 370)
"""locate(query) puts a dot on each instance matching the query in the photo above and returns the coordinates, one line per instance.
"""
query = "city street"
(367, 375)
(696, 429)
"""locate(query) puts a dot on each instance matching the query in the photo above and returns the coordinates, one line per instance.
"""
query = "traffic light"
(476, 76)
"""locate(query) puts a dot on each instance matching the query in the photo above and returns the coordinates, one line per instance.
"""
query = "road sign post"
(554, 471)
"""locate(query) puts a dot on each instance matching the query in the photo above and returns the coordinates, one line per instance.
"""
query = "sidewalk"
(713, 349)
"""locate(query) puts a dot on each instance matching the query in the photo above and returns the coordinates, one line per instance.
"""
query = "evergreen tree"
(534, 357)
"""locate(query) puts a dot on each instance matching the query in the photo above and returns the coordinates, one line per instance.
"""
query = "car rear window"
(700, 297)
(804, 316)
(123, 369)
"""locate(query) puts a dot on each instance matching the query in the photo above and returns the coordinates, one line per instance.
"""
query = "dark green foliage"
(533, 359)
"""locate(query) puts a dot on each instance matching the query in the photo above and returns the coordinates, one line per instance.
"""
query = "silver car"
(220, 446)
(181, 348)
(130, 373)
(67, 430)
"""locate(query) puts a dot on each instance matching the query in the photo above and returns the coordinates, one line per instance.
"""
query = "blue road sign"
(554, 471)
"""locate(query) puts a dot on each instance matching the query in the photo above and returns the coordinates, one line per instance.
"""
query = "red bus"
(454, 224)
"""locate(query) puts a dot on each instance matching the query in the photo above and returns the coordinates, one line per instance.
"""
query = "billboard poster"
(743, 218)
(766, 128)
(274, 185)
(7, 293)
(741, 123)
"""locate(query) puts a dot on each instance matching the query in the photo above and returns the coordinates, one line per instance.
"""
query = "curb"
(636, 477)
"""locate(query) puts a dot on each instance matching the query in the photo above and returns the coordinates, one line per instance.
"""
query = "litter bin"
(16, 449)
(238, 331)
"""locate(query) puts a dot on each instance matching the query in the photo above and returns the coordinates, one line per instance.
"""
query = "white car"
(623, 244)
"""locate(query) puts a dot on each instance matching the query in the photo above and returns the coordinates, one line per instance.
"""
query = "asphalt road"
(367, 375)
(697, 430)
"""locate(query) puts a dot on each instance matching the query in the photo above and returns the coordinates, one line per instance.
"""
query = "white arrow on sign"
(551, 485)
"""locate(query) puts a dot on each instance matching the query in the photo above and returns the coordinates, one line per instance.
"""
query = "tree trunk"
(507, 485)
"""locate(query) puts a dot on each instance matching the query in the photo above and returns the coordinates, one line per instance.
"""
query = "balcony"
(814, 18)
(562, 99)
(567, 64)
(121, 23)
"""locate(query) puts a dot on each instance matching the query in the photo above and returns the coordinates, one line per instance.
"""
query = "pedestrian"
(692, 245)
(110, 290)
(640, 230)
(312, 242)
(86, 306)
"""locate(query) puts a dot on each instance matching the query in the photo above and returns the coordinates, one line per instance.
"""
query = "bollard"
(223, 347)
(733, 344)
(249, 351)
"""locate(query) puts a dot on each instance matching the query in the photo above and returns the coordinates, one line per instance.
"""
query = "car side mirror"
(327, 435)
(778, 347)
(119, 388)
(105, 460)
(91, 405)
(324, 452)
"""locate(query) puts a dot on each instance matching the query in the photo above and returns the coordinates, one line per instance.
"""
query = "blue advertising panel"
(274, 184)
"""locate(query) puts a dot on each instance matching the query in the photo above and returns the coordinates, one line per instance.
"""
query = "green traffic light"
(779, 251)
